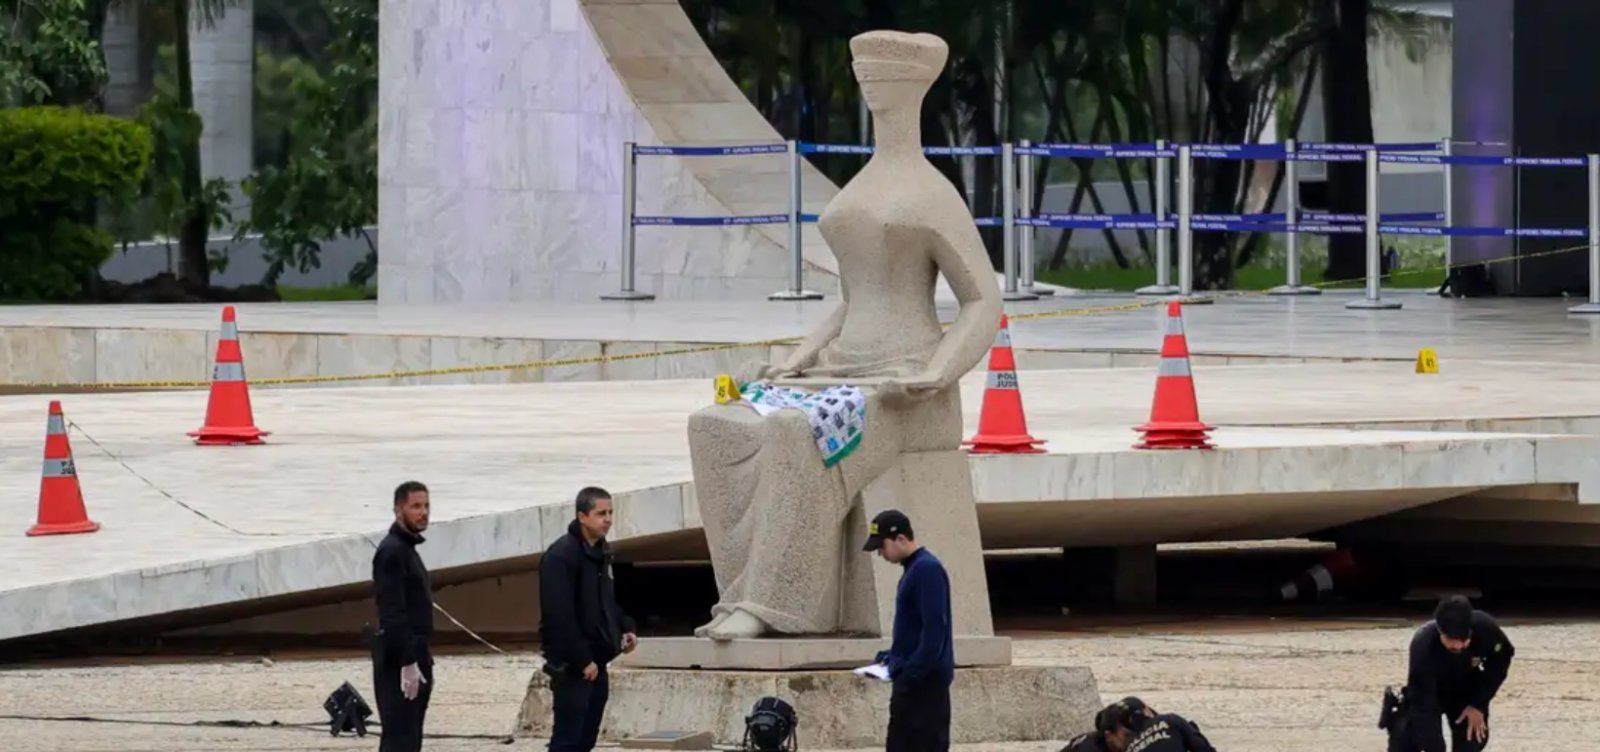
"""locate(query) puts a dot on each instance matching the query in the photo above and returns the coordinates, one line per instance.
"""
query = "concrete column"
(1134, 576)
(1483, 108)
(223, 67)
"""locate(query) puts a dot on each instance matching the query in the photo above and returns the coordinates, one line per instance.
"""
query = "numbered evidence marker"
(1427, 361)
(727, 391)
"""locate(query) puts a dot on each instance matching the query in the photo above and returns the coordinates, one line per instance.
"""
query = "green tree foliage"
(175, 137)
(327, 184)
(47, 54)
(55, 163)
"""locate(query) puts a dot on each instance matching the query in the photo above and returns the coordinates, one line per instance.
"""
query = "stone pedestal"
(794, 653)
(835, 709)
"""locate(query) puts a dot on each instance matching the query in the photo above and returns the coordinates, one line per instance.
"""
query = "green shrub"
(55, 164)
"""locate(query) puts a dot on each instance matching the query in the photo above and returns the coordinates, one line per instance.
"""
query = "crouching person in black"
(1129, 725)
(1112, 728)
(1164, 732)
(1458, 662)
(581, 627)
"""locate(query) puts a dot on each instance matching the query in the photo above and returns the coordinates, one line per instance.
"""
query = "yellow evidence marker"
(1427, 361)
(727, 391)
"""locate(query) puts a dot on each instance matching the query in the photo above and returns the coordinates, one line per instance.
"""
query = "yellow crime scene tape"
(559, 362)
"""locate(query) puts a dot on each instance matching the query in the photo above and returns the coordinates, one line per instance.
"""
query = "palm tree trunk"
(1301, 104)
(193, 267)
(1347, 113)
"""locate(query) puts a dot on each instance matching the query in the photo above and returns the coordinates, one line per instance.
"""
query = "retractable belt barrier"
(1019, 223)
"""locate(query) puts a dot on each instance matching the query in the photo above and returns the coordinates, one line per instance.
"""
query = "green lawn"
(289, 295)
(326, 294)
(1112, 277)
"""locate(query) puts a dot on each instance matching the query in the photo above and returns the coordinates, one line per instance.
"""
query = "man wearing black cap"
(1113, 728)
(921, 657)
(1159, 732)
(1458, 662)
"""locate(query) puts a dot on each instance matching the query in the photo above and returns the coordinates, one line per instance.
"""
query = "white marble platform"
(503, 461)
(99, 344)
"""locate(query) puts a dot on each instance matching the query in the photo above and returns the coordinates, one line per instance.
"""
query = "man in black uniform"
(1458, 662)
(1159, 732)
(1111, 728)
(402, 664)
(581, 627)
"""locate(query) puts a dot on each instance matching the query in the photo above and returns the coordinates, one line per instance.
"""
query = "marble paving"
(84, 344)
(503, 460)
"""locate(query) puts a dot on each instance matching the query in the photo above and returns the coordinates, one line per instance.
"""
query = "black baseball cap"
(888, 524)
(1119, 714)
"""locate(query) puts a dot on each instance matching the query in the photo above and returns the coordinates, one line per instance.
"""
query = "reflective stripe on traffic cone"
(61, 508)
(1175, 413)
(229, 419)
(1002, 426)
(1319, 578)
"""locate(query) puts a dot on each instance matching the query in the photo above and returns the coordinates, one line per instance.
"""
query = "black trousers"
(1421, 732)
(578, 705)
(401, 719)
(919, 717)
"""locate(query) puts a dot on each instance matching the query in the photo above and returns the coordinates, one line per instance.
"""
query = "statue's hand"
(758, 371)
(911, 389)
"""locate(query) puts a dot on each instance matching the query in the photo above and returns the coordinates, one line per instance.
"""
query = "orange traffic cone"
(1002, 426)
(228, 416)
(1175, 415)
(61, 509)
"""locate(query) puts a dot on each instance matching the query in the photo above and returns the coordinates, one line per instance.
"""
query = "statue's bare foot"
(739, 625)
(705, 628)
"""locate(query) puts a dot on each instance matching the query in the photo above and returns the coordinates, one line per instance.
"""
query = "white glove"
(411, 679)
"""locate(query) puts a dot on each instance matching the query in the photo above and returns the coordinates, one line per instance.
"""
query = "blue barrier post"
(1291, 199)
(1008, 223)
(797, 286)
(1163, 285)
(1185, 221)
(1449, 207)
(1372, 301)
(1593, 306)
(1025, 235)
(630, 167)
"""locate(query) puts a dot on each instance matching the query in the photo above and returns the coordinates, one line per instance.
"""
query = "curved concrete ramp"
(500, 172)
(297, 517)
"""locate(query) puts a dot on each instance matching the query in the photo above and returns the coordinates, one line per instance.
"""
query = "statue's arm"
(959, 254)
(806, 354)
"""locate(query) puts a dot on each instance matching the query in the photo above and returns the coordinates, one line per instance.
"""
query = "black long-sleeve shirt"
(405, 598)
(922, 647)
(1438, 680)
(579, 619)
(1170, 732)
(1091, 741)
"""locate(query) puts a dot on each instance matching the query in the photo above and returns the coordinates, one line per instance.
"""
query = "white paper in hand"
(875, 671)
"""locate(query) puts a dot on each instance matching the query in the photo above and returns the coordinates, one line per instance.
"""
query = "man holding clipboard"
(920, 660)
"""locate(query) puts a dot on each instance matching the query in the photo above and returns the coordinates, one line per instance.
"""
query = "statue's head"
(895, 68)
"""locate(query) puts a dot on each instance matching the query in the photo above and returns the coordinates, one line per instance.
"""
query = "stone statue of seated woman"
(777, 473)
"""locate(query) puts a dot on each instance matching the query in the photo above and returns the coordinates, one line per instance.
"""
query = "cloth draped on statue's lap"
(838, 414)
